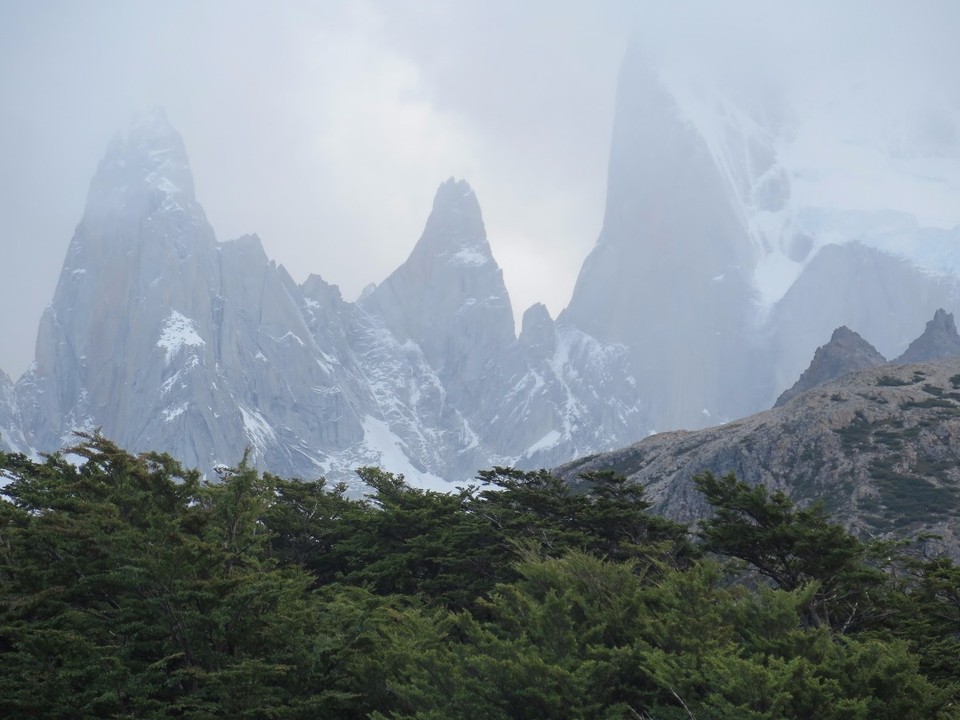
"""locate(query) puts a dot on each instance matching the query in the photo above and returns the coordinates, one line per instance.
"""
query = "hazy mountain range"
(725, 259)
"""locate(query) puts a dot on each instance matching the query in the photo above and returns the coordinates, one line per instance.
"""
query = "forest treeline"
(132, 588)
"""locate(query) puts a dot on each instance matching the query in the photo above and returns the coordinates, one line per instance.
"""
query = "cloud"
(340, 176)
(326, 127)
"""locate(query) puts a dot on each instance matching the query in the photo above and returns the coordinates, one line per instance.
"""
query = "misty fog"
(326, 128)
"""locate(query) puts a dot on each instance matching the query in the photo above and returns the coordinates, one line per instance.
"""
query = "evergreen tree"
(130, 587)
(793, 548)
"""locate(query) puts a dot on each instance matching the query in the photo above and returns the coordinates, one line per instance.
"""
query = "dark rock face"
(846, 352)
(938, 342)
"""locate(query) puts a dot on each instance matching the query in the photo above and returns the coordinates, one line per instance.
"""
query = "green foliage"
(950, 408)
(791, 547)
(909, 497)
(857, 434)
(925, 612)
(454, 548)
(609, 518)
(579, 637)
(891, 381)
(130, 587)
(415, 542)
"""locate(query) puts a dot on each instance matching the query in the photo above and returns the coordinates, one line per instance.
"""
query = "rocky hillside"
(881, 447)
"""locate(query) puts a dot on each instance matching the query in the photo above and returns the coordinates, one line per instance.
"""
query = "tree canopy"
(133, 588)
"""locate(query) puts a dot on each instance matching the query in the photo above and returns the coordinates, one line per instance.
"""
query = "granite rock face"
(722, 264)
(163, 338)
(133, 308)
(11, 433)
(669, 276)
(727, 256)
(448, 298)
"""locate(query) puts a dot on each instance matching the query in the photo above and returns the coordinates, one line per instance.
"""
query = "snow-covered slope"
(805, 169)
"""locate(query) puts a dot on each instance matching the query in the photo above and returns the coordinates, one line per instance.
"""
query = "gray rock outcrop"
(884, 297)
(881, 448)
(938, 342)
(11, 433)
(846, 352)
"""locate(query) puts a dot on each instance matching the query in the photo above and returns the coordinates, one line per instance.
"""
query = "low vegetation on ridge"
(130, 587)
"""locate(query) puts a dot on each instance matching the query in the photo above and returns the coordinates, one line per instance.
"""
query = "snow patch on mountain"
(470, 256)
(388, 449)
(172, 413)
(827, 170)
(178, 332)
(545, 443)
(257, 429)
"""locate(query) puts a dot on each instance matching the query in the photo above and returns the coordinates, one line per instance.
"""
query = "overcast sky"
(326, 127)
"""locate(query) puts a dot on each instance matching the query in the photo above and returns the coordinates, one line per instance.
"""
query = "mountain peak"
(146, 166)
(151, 123)
(454, 192)
(938, 342)
(845, 353)
(449, 296)
(538, 332)
(454, 230)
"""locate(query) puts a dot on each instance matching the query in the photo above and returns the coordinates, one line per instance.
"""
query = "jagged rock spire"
(938, 342)
(845, 353)
(449, 295)
(669, 277)
(143, 169)
(454, 231)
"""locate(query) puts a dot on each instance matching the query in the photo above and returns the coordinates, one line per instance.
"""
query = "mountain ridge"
(880, 446)
(845, 352)
(168, 339)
